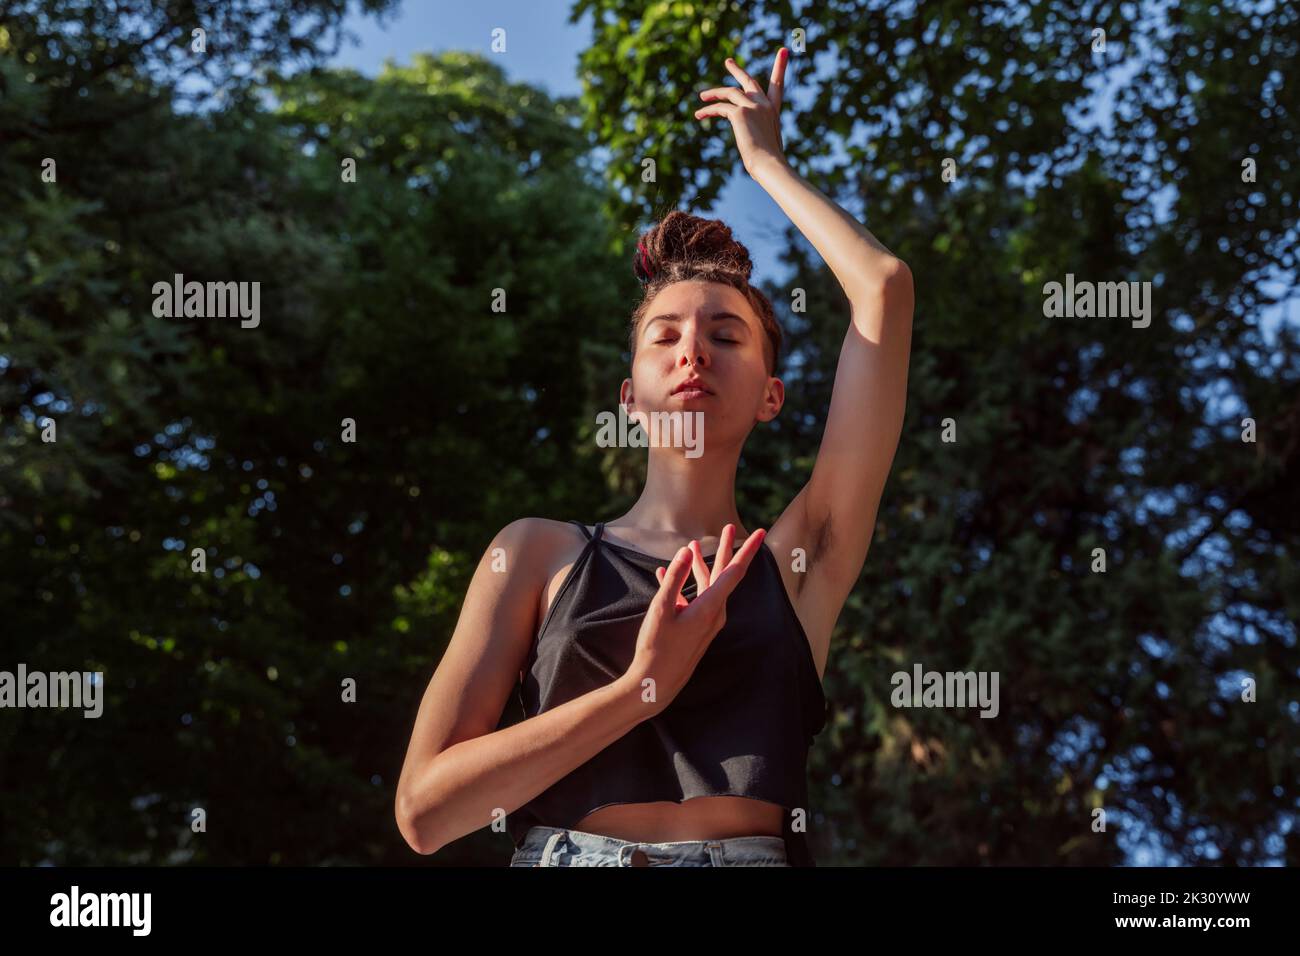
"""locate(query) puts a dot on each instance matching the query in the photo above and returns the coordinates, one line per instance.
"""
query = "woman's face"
(706, 331)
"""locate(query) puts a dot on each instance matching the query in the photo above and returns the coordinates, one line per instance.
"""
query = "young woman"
(669, 711)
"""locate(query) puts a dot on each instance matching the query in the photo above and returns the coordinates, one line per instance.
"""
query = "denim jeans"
(557, 846)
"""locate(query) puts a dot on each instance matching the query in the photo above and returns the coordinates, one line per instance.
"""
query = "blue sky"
(542, 48)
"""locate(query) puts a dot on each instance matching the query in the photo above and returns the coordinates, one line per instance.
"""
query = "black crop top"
(740, 726)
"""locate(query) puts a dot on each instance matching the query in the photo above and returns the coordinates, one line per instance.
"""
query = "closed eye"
(724, 341)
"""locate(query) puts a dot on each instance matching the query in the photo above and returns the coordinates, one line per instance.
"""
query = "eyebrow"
(675, 317)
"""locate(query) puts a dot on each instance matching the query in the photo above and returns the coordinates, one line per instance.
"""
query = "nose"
(693, 351)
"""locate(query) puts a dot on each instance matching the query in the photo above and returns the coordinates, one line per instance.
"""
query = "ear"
(773, 399)
(626, 402)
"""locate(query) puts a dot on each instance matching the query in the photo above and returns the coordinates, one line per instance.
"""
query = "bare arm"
(456, 792)
(834, 515)
(838, 506)
(459, 770)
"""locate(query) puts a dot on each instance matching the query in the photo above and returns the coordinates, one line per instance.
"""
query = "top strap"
(600, 526)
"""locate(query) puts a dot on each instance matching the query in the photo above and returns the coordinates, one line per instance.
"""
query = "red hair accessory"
(645, 269)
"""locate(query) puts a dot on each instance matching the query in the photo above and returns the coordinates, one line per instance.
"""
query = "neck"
(687, 497)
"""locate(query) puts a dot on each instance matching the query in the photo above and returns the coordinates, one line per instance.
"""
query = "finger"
(730, 577)
(730, 94)
(723, 557)
(746, 81)
(724, 110)
(679, 599)
(749, 548)
(700, 569)
(726, 583)
(776, 86)
(670, 583)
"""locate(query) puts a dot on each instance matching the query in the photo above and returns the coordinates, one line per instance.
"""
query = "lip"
(692, 388)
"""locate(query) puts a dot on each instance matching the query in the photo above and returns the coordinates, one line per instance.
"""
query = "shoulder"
(538, 532)
(537, 544)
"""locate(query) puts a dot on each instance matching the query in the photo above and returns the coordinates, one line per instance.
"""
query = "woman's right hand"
(675, 633)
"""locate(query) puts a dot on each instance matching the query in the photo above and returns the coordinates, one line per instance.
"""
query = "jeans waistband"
(561, 846)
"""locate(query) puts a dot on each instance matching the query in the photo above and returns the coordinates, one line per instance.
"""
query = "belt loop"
(551, 843)
(636, 856)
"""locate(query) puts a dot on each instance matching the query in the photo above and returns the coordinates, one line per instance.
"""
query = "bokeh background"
(521, 168)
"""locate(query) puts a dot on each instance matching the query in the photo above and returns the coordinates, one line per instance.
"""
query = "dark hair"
(681, 246)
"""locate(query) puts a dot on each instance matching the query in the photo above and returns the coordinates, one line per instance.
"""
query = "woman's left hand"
(755, 116)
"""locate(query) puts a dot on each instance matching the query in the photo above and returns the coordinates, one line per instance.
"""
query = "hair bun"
(683, 239)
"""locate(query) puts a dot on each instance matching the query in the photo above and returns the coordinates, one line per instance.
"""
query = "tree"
(327, 560)
(1120, 690)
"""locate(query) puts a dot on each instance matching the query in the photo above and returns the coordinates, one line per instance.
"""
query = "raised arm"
(834, 515)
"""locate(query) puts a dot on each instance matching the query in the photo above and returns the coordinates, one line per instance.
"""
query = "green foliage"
(326, 560)
(1072, 434)
(329, 560)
